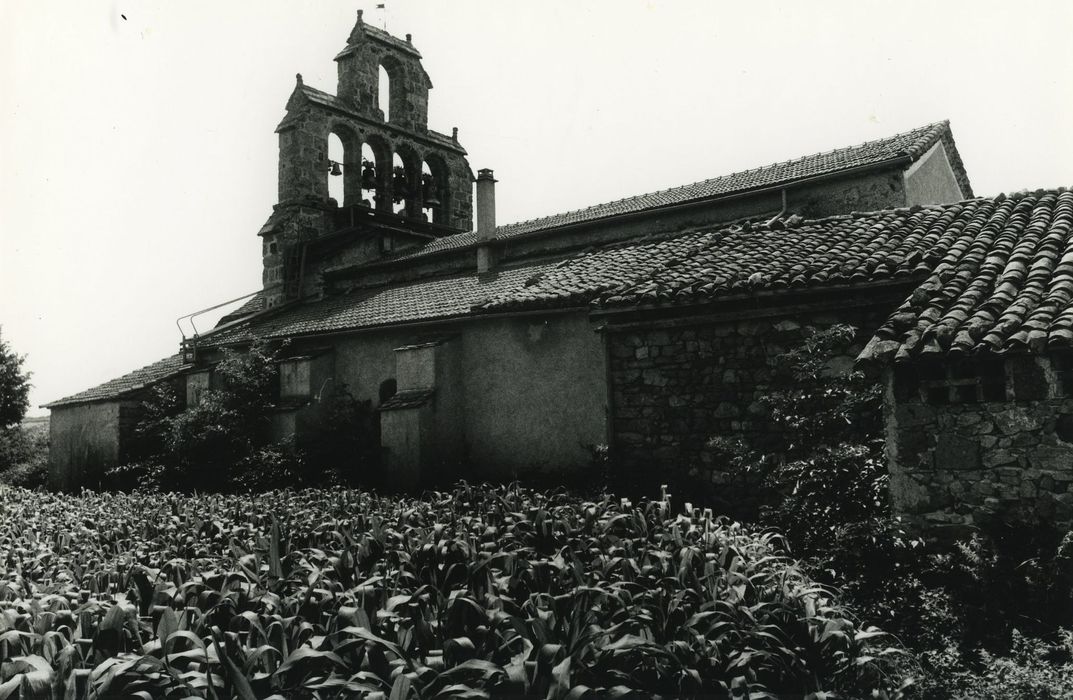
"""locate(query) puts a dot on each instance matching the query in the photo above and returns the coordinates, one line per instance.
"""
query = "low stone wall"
(673, 389)
(961, 465)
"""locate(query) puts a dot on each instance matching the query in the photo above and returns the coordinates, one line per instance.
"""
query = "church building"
(647, 324)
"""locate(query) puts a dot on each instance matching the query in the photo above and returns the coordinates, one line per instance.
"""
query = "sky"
(138, 153)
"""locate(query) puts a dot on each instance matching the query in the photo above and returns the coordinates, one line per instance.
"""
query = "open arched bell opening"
(375, 181)
(400, 185)
(336, 161)
(344, 175)
(434, 192)
(369, 178)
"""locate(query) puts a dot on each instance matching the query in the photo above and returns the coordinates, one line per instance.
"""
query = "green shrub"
(225, 441)
(24, 455)
(1034, 669)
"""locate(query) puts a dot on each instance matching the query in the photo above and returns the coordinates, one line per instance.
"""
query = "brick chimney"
(486, 219)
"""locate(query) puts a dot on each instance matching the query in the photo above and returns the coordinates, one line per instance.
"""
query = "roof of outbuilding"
(132, 381)
(422, 300)
(911, 144)
(1004, 284)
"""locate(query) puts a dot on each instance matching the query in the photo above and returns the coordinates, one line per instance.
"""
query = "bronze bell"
(428, 191)
(336, 170)
(368, 176)
(399, 185)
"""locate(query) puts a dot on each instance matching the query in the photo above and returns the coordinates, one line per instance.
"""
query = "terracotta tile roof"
(796, 254)
(139, 378)
(1004, 282)
(992, 274)
(576, 281)
(432, 298)
(739, 259)
(251, 306)
(913, 144)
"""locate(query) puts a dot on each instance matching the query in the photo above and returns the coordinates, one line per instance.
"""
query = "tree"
(14, 387)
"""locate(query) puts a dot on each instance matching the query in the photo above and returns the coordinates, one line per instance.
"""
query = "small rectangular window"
(963, 380)
(196, 385)
(294, 378)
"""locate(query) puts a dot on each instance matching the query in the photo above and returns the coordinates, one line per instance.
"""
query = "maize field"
(489, 591)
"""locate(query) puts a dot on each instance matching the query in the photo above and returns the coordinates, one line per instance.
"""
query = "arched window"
(336, 161)
(384, 93)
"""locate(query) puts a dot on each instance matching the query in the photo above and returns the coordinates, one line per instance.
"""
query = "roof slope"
(1005, 284)
(139, 378)
(575, 281)
(912, 144)
(991, 274)
(427, 299)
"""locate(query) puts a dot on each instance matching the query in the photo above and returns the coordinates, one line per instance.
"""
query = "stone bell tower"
(402, 182)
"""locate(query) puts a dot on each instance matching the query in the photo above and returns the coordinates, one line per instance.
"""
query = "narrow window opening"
(384, 94)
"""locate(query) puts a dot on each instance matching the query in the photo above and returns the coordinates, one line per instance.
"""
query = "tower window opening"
(384, 93)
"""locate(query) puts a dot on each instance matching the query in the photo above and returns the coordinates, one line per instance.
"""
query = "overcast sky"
(139, 158)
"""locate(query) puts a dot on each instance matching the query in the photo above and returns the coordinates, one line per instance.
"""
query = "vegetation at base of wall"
(475, 592)
(24, 454)
(987, 618)
(824, 438)
(225, 441)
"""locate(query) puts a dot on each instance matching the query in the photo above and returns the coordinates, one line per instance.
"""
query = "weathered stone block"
(999, 458)
(913, 414)
(912, 444)
(726, 410)
(968, 419)
(1053, 458)
(1017, 419)
(956, 452)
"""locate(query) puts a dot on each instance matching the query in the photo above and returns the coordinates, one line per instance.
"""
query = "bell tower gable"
(381, 77)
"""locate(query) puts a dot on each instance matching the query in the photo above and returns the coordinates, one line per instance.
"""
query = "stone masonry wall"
(674, 389)
(959, 465)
